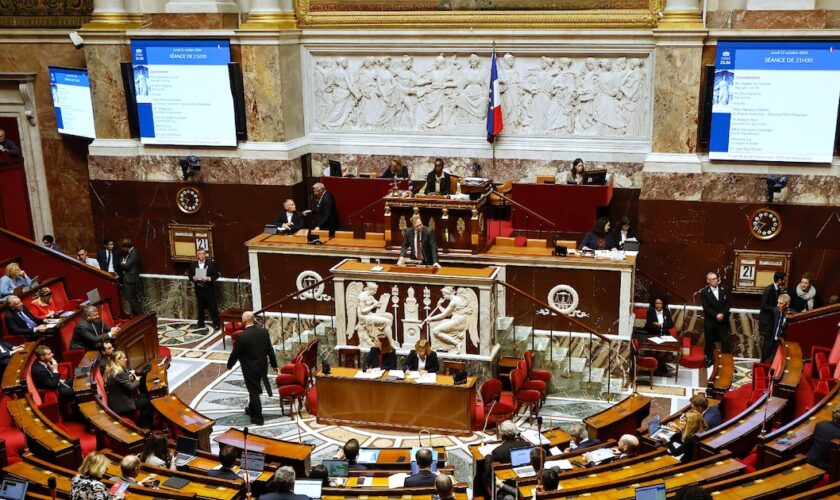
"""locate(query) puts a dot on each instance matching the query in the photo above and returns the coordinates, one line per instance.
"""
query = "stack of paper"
(373, 374)
(488, 448)
(396, 373)
(427, 378)
(663, 339)
(397, 480)
(412, 374)
(535, 438)
(560, 464)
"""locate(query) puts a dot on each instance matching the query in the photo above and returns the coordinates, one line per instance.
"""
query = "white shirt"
(715, 292)
(421, 363)
(202, 264)
(92, 262)
(109, 256)
(289, 215)
(660, 317)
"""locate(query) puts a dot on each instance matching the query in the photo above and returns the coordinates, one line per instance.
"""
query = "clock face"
(765, 223)
(189, 200)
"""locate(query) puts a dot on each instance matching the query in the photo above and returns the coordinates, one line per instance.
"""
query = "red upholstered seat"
(537, 385)
(164, 352)
(735, 401)
(529, 398)
(231, 329)
(12, 339)
(640, 312)
(502, 410)
(831, 355)
(15, 440)
(646, 364)
(312, 401)
(696, 357)
(294, 391)
(544, 375)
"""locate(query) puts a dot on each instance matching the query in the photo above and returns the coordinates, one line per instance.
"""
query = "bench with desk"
(720, 380)
(623, 417)
(44, 438)
(277, 451)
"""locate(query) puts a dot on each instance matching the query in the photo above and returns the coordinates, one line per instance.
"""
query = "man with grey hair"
(19, 321)
(254, 352)
(580, 438)
(444, 487)
(501, 454)
(824, 433)
(779, 325)
(90, 331)
(289, 221)
(326, 216)
(8, 146)
(284, 480)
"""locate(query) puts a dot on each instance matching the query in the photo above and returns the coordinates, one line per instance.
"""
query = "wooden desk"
(401, 404)
(644, 437)
(418, 493)
(623, 417)
(295, 455)
(111, 432)
(400, 458)
(778, 481)
(831, 490)
(43, 437)
(791, 371)
(571, 208)
(674, 348)
(720, 380)
(798, 434)
(556, 437)
(14, 374)
(82, 384)
(738, 435)
(157, 380)
(184, 421)
(203, 462)
(139, 340)
(360, 201)
(458, 225)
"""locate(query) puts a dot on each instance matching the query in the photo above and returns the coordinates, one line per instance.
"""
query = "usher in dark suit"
(667, 323)
(16, 325)
(130, 268)
(102, 258)
(88, 335)
(326, 216)
(769, 298)
(205, 292)
(433, 187)
(45, 378)
(427, 244)
(712, 328)
(413, 361)
(777, 332)
(296, 222)
(254, 351)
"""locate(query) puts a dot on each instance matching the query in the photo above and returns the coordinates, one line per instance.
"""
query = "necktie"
(25, 318)
(779, 326)
(418, 251)
(108, 262)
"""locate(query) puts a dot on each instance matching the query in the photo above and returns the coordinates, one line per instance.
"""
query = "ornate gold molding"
(601, 18)
(112, 21)
(270, 20)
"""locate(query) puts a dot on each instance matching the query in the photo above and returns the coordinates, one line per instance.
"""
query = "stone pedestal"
(110, 14)
(681, 14)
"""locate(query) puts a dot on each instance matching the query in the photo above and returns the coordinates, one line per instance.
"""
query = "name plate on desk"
(413, 269)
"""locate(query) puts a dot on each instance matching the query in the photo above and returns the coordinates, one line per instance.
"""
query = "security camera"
(189, 166)
(775, 185)
(77, 40)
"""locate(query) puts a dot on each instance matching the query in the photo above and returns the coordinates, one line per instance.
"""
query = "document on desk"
(663, 339)
(412, 374)
(601, 454)
(367, 456)
(534, 437)
(368, 375)
(397, 480)
(560, 464)
(427, 378)
(488, 448)
(396, 373)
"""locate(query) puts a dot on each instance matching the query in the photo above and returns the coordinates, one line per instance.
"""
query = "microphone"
(245, 462)
(487, 417)
(51, 484)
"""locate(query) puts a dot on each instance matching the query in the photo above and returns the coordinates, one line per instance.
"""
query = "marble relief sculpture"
(457, 318)
(542, 96)
(367, 315)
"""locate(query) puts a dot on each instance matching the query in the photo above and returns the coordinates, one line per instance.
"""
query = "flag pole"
(493, 144)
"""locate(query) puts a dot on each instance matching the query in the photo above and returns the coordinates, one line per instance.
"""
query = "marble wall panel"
(676, 99)
(769, 19)
(106, 87)
(292, 92)
(627, 175)
(191, 21)
(225, 170)
(264, 104)
(174, 298)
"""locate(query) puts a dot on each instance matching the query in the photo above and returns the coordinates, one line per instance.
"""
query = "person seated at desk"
(45, 374)
(425, 476)
(579, 438)
(284, 481)
(573, 176)
(121, 387)
(156, 451)
(91, 331)
(106, 352)
(444, 487)
(7, 350)
(483, 482)
(19, 321)
(711, 414)
(320, 472)
(8, 146)
(381, 355)
(419, 243)
(42, 305)
(350, 452)
(658, 321)
(422, 358)
(49, 242)
(824, 433)
(627, 447)
(682, 444)
(129, 470)
(395, 170)
(14, 277)
(289, 221)
(227, 459)
(600, 238)
(82, 256)
(438, 181)
(87, 484)
(624, 232)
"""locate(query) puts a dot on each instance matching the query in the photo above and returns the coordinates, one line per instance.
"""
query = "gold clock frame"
(761, 236)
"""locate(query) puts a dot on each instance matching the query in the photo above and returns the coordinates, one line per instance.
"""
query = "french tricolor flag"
(494, 107)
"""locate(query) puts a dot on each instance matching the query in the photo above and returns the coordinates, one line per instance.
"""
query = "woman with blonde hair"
(42, 305)
(682, 443)
(121, 387)
(15, 277)
(422, 358)
(87, 484)
(395, 170)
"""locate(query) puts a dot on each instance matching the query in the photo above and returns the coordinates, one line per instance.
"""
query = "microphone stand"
(542, 455)
(419, 439)
(245, 462)
(763, 434)
(487, 417)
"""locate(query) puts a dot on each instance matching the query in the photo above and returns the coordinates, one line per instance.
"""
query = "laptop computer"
(657, 432)
(337, 468)
(631, 246)
(654, 492)
(595, 177)
(270, 229)
(254, 463)
(92, 298)
(308, 487)
(520, 460)
(185, 450)
(13, 489)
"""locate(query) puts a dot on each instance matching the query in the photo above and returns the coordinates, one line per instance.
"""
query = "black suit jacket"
(10, 147)
(283, 495)
(121, 392)
(6, 355)
(88, 336)
(651, 319)
(102, 258)
(588, 443)
(501, 455)
(223, 474)
(254, 352)
(777, 328)
(389, 360)
(297, 222)
(412, 362)
(43, 377)
(326, 216)
(212, 273)
(824, 433)
(131, 268)
(799, 305)
(15, 325)
(712, 306)
(389, 174)
(427, 243)
(422, 478)
(431, 183)
(769, 298)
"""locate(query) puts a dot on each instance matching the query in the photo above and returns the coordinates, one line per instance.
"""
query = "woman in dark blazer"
(623, 232)
(600, 238)
(395, 169)
(381, 355)
(682, 444)
(422, 353)
(659, 319)
(121, 388)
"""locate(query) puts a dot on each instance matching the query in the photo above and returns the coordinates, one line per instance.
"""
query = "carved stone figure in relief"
(459, 316)
(633, 89)
(387, 87)
(322, 88)
(367, 316)
(538, 84)
(409, 85)
(342, 95)
(510, 86)
(561, 112)
(471, 99)
(369, 109)
(437, 99)
(607, 112)
(587, 92)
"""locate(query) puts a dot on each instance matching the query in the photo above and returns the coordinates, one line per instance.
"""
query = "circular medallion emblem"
(563, 298)
(309, 278)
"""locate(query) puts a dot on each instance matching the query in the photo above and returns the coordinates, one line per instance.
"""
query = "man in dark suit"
(580, 438)
(90, 331)
(824, 433)
(289, 221)
(205, 288)
(765, 316)
(284, 480)
(350, 452)
(501, 454)
(8, 146)
(130, 268)
(326, 216)
(716, 304)
(252, 349)
(109, 257)
(227, 457)
(45, 374)
(780, 314)
(422, 236)
(7, 350)
(19, 321)
(425, 476)
(438, 181)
